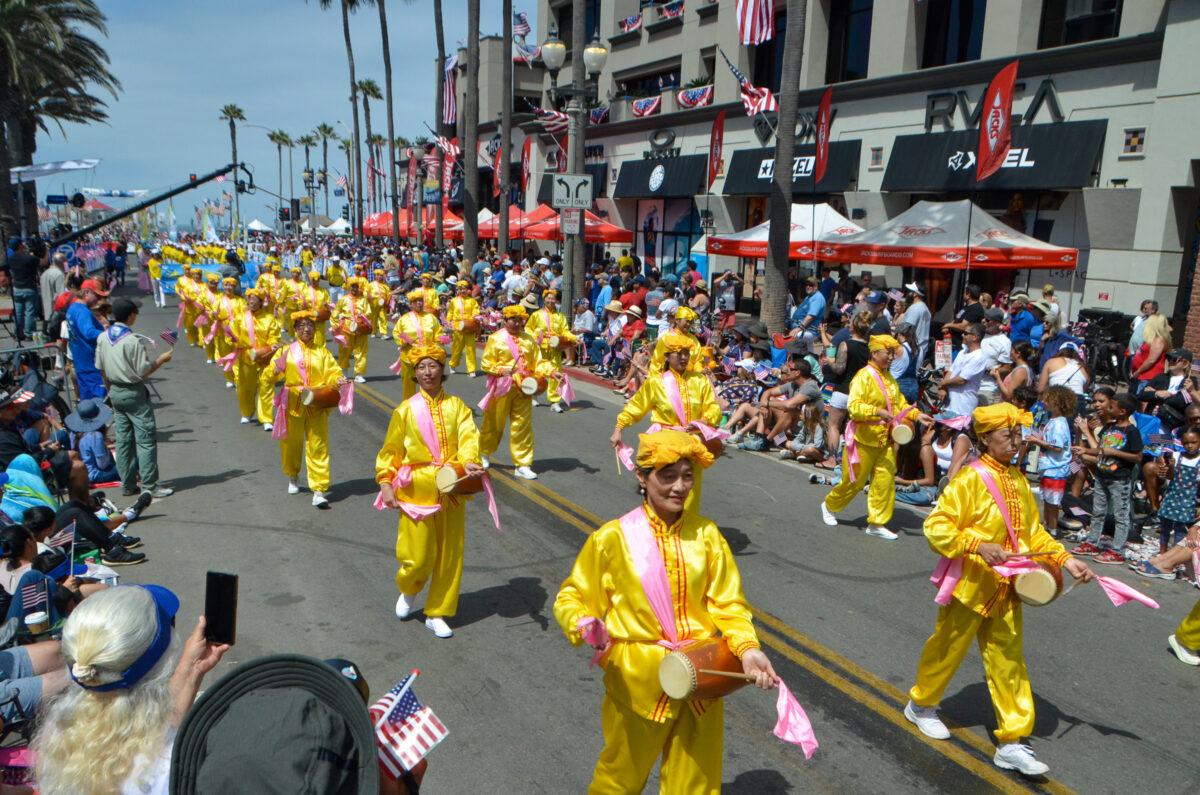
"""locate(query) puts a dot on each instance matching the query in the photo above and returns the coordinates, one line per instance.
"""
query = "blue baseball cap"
(167, 605)
(876, 297)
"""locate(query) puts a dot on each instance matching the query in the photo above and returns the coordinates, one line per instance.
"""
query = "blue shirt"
(477, 271)
(95, 455)
(812, 306)
(84, 329)
(827, 286)
(1053, 464)
(1020, 325)
(602, 299)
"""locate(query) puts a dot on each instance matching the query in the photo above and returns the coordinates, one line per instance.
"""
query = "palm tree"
(233, 114)
(502, 157)
(308, 141)
(368, 89)
(278, 137)
(439, 110)
(774, 302)
(325, 132)
(347, 146)
(391, 125)
(470, 137)
(348, 7)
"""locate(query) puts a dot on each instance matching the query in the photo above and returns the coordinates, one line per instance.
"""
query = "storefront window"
(953, 31)
(768, 57)
(1076, 21)
(666, 231)
(849, 40)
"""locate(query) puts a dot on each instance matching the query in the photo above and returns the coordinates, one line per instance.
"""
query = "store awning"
(1042, 157)
(662, 178)
(599, 172)
(751, 171)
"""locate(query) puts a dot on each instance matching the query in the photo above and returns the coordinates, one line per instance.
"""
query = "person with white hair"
(132, 687)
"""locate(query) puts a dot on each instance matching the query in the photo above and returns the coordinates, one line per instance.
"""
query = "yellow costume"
(984, 607)
(227, 309)
(380, 296)
(639, 721)
(429, 549)
(461, 308)
(306, 258)
(268, 284)
(544, 324)
(413, 328)
(1188, 631)
(351, 309)
(288, 300)
(253, 392)
(188, 290)
(312, 298)
(335, 274)
(209, 298)
(514, 407)
(307, 428)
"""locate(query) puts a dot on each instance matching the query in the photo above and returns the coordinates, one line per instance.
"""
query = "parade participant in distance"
(210, 298)
(427, 431)
(681, 328)
(188, 289)
(984, 517)
(229, 306)
(508, 357)
(461, 310)
(544, 326)
(432, 303)
(288, 297)
(606, 602)
(679, 397)
(351, 318)
(415, 327)
(303, 431)
(335, 274)
(258, 338)
(380, 297)
(875, 406)
(315, 299)
(268, 284)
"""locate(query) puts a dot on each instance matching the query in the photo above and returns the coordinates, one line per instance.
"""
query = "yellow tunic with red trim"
(457, 436)
(544, 324)
(497, 356)
(966, 515)
(267, 333)
(321, 367)
(706, 590)
(695, 391)
(269, 284)
(410, 327)
(459, 309)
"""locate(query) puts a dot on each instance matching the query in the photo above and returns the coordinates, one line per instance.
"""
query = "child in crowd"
(88, 431)
(808, 445)
(1054, 460)
(1117, 454)
(1178, 509)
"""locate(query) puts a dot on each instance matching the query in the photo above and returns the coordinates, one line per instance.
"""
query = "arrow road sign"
(572, 191)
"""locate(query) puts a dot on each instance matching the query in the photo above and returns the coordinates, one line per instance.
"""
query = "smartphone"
(220, 607)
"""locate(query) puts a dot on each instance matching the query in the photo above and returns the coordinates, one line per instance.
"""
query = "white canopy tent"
(339, 227)
(811, 223)
(257, 226)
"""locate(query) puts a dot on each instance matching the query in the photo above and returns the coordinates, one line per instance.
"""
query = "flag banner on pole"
(448, 173)
(756, 100)
(598, 115)
(450, 91)
(405, 730)
(646, 107)
(824, 120)
(496, 178)
(630, 23)
(716, 146)
(995, 124)
(756, 21)
(526, 162)
(64, 537)
(521, 50)
(410, 191)
(553, 121)
(34, 596)
(370, 179)
(672, 10)
(694, 97)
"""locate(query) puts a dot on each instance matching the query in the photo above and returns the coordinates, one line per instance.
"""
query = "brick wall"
(1191, 334)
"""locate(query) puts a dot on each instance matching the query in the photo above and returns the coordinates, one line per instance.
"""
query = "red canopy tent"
(596, 230)
(752, 242)
(96, 206)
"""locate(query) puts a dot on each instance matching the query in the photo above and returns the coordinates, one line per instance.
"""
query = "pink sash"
(671, 387)
(648, 563)
(499, 385)
(280, 429)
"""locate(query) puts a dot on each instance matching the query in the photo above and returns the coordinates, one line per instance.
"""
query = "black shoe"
(128, 492)
(129, 542)
(120, 556)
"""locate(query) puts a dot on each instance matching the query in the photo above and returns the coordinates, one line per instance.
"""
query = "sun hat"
(89, 415)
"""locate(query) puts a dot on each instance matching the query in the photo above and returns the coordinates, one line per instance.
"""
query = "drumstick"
(730, 674)
(1032, 554)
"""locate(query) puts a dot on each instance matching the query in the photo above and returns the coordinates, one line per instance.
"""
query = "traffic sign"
(56, 198)
(570, 221)
(572, 190)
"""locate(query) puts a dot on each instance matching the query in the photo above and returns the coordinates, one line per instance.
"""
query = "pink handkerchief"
(793, 725)
(1119, 593)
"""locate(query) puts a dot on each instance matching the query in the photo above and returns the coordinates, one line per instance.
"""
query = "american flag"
(756, 100)
(520, 24)
(450, 91)
(62, 538)
(553, 121)
(448, 146)
(695, 97)
(598, 115)
(646, 107)
(34, 596)
(220, 178)
(406, 731)
(344, 184)
(430, 160)
(672, 10)
(756, 21)
(630, 23)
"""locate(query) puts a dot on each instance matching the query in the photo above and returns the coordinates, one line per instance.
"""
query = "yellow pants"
(691, 748)
(431, 551)
(254, 397)
(1188, 631)
(358, 349)
(379, 321)
(191, 329)
(222, 347)
(463, 344)
(307, 438)
(517, 410)
(1000, 644)
(878, 464)
(408, 380)
(553, 355)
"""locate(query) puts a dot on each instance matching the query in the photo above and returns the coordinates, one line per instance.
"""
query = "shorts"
(839, 400)
(17, 680)
(1052, 490)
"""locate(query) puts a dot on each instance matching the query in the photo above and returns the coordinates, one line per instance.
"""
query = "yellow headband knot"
(304, 314)
(418, 352)
(882, 342)
(516, 310)
(229, 280)
(314, 274)
(685, 313)
(416, 295)
(254, 292)
(999, 415)
(663, 448)
(212, 277)
(674, 342)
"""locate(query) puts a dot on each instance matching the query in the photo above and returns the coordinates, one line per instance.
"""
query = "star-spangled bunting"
(407, 732)
(646, 107)
(630, 23)
(672, 10)
(694, 97)
(756, 21)
(756, 100)
(598, 115)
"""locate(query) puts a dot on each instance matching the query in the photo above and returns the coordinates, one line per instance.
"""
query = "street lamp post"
(554, 55)
(310, 182)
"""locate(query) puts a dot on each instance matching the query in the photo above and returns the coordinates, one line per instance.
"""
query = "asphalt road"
(841, 615)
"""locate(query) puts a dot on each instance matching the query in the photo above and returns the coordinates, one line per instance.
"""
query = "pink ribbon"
(179, 319)
(595, 634)
(671, 387)
(280, 429)
(565, 387)
(497, 387)
(1119, 593)
(397, 366)
(202, 319)
(852, 455)
(648, 563)
(792, 724)
(1014, 566)
(626, 455)
(340, 339)
(227, 361)
(346, 398)
(946, 575)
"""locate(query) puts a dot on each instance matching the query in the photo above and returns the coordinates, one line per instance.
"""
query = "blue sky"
(284, 63)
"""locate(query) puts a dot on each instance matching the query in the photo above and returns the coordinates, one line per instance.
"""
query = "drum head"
(902, 434)
(529, 385)
(306, 397)
(1036, 588)
(677, 676)
(445, 479)
(553, 341)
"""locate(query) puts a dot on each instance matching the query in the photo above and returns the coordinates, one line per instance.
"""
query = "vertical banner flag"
(448, 173)
(450, 92)
(995, 124)
(716, 146)
(496, 174)
(756, 21)
(824, 120)
(412, 178)
(526, 165)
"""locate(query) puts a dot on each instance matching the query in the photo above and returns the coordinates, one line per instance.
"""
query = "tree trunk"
(237, 202)
(357, 214)
(505, 153)
(439, 113)
(371, 165)
(325, 168)
(8, 207)
(774, 300)
(393, 186)
(23, 146)
(471, 138)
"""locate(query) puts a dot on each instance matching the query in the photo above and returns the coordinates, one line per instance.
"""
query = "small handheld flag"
(62, 538)
(170, 335)
(405, 730)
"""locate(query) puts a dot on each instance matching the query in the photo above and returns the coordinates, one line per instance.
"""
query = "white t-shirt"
(157, 779)
(970, 365)
(918, 315)
(994, 346)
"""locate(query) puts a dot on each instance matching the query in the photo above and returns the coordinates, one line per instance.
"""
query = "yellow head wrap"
(515, 310)
(999, 415)
(882, 342)
(379, 271)
(686, 313)
(314, 274)
(304, 314)
(673, 342)
(229, 280)
(418, 352)
(254, 292)
(463, 284)
(297, 270)
(213, 278)
(550, 295)
(663, 448)
(416, 295)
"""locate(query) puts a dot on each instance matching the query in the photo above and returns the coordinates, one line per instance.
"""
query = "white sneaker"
(926, 719)
(557, 408)
(827, 516)
(319, 500)
(246, 421)
(451, 371)
(535, 402)
(483, 462)
(473, 375)
(1014, 756)
(358, 379)
(879, 531)
(293, 486)
(525, 472)
(1184, 654)
(403, 606)
(209, 361)
(268, 427)
(229, 385)
(439, 627)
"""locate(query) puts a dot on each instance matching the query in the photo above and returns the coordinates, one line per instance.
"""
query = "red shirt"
(633, 328)
(635, 297)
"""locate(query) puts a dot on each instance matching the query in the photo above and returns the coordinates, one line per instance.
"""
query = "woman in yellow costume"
(415, 327)
(427, 431)
(508, 357)
(303, 431)
(188, 289)
(288, 296)
(209, 299)
(679, 398)
(315, 299)
(226, 311)
(985, 517)
(875, 407)
(380, 296)
(432, 303)
(257, 330)
(681, 329)
(462, 308)
(268, 284)
(351, 318)
(654, 580)
(545, 324)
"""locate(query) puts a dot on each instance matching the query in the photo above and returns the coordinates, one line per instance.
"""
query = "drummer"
(209, 299)
(303, 431)
(970, 532)
(267, 283)
(604, 603)
(875, 407)
(256, 330)
(676, 398)
(351, 316)
(288, 300)
(427, 431)
(315, 299)
(547, 326)
(380, 297)
(681, 328)
(227, 308)
(415, 327)
(508, 357)
(463, 311)
(432, 304)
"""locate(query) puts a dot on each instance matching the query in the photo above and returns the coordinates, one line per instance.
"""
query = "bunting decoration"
(672, 10)
(598, 115)
(646, 107)
(630, 23)
(695, 97)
